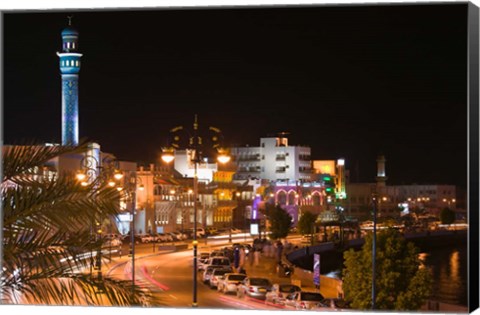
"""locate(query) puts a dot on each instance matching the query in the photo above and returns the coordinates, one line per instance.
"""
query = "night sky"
(349, 81)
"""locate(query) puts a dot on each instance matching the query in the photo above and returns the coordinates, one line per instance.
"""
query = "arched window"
(316, 199)
(291, 198)
(282, 198)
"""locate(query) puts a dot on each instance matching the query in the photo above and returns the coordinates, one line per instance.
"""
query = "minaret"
(69, 69)
(381, 177)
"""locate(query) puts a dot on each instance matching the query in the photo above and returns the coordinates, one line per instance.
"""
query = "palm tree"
(47, 232)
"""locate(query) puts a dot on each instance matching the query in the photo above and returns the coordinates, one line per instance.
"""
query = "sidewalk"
(267, 268)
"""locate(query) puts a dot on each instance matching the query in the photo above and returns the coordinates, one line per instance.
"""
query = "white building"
(273, 160)
(183, 164)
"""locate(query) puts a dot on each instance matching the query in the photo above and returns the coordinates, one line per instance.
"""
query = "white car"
(146, 238)
(229, 282)
(218, 261)
(305, 300)
(217, 276)
(202, 260)
(208, 273)
(114, 242)
(279, 292)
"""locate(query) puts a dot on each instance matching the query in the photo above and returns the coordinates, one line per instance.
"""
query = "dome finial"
(69, 17)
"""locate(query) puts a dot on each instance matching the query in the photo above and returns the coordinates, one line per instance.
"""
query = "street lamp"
(130, 184)
(129, 191)
(93, 172)
(195, 144)
(374, 248)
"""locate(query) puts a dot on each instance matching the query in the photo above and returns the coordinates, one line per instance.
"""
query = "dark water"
(450, 274)
(448, 264)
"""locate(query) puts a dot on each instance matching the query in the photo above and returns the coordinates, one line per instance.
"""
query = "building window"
(291, 198)
(282, 198)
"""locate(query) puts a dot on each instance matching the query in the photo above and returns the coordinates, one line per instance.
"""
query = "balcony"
(255, 157)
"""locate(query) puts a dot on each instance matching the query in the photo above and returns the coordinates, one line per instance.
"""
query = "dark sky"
(349, 81)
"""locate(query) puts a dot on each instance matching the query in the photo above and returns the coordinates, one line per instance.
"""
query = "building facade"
(273, 160)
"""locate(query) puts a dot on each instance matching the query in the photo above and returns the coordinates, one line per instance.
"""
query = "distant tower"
(69, 69)
(381, 177)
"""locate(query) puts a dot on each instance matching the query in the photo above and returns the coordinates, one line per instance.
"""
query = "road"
(169, 275)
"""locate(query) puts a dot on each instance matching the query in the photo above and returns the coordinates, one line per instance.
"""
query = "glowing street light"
(195, 143)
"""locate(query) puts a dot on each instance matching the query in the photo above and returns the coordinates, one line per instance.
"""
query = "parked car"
(114, 242)
(279, 292)
(336, 303)
(212, 231)
(146, 238)
(254, 287)
(177, 236)
(200, 232)
(230, 282)
(218, 261)
(168, 237)
(217, 252)
(202, 260)
(208, 272)
(217, 275)
(304, 300)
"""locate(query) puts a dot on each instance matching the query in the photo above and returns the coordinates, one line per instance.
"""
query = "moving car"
(304, 300)
(279, 292)
(230, 282)
(254, 288)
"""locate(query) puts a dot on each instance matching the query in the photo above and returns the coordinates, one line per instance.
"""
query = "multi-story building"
(273, 160)
(396, 200)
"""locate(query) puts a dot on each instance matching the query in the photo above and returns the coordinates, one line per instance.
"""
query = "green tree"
(306, 222)
(402, 282)
(280, 221)
(447, 216)
(47, 230)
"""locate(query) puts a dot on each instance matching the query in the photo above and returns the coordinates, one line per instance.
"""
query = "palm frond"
(47, 234)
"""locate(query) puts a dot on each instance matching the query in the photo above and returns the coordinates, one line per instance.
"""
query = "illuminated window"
(68, 63)
(73, 45)
(76, 63)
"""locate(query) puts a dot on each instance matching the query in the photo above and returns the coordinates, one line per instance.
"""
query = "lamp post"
(92, 172)
(195, 144)
(374, 248)
(131, 194)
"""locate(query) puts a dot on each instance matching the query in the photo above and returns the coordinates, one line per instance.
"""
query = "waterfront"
(445, 255)
(449, 267)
